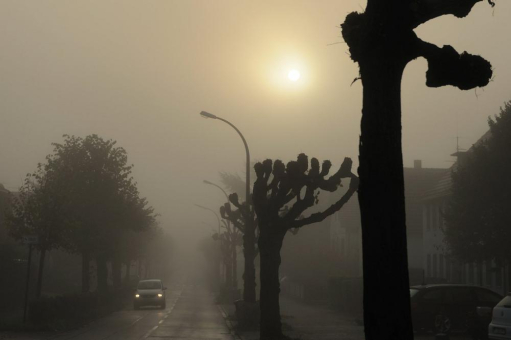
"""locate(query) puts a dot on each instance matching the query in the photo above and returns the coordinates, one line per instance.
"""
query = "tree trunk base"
(247, 314)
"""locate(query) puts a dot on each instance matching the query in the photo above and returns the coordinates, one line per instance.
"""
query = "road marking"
(161, 321)
(149, 333)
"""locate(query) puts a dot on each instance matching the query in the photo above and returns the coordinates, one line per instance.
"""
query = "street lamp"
(218, 218)
(205, 114)
(219, 187)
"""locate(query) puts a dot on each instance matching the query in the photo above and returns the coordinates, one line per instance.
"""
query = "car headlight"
(137, 295)
(160, 295)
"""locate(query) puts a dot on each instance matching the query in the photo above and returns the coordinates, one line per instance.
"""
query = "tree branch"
(318, 217)
(425, 10)
(448, 67)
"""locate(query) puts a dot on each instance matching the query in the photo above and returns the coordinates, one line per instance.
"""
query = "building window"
(428, 266)
(498, 277)
(435, 264)
(425, 212)
(441, 266)
(489, 273)
(470, 273)
(448, 270)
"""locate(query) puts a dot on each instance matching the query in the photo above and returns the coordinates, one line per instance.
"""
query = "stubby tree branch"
(448, 67)
(320, 216)
(297, 181)
(424, 10)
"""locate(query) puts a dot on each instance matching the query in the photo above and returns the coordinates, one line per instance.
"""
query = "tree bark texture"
(249, 252)
(39, 286)
(85, 272)
(270, 244)
(234, 268)
(382, 41)
(382, 203)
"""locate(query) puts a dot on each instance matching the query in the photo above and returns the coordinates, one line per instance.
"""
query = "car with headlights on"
(149, 293)
(500, 325)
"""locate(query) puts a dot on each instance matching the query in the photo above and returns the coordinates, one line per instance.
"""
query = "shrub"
(71, 311)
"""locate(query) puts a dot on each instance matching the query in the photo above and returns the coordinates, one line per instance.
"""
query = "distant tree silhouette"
(101, 201)
(37, 210)
(478, 216)
(382, 41)
(281, 195)
(229, 239)
(238, 217)
(243, 216)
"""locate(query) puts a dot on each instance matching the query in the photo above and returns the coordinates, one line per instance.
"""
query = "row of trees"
(478, 214)
(83, 200)
(282, 194)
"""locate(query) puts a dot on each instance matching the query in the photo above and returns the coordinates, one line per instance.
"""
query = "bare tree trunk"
(249, 276)
(85, 272)
(234, 268)
(270, 243)
(102, 273)
(128, 272)
(228, 272)
(382, 202)
(116, 272)
(40, 274)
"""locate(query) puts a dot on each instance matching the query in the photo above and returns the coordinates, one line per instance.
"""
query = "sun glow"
(293, 75)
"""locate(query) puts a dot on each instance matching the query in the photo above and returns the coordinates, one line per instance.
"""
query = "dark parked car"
(443, 308)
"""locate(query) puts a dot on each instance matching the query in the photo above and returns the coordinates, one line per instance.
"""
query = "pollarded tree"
(281, 196)
(238, 218)
(245, 214)
(382, 41)
(477, 216)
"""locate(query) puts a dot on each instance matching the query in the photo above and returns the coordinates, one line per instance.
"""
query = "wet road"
(190, 315)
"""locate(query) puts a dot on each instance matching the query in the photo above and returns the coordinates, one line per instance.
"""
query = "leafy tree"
(477, 215)
(37, 211)
(281, 195)
(102, 200)
(382, 41)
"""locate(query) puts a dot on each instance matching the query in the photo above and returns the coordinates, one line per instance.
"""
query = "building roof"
(442, 187)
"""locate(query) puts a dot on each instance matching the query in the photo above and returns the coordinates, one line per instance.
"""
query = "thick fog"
(140, 73)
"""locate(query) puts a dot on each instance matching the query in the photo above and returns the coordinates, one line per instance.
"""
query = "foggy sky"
(139, 72)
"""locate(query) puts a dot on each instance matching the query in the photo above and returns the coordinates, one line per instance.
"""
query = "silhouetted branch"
(448, 67)
(425, 10)
(318, 217)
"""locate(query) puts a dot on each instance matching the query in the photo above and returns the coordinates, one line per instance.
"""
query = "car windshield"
(149, 285)
(413, 292)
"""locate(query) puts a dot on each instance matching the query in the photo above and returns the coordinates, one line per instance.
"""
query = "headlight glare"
(160, 295)
(137, 295)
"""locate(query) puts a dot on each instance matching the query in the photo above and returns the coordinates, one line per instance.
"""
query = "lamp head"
(205, 114)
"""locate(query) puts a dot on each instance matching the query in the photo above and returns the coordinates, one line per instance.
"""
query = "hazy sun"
(293, 75)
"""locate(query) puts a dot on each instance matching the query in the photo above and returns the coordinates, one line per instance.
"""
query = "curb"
(229, 324)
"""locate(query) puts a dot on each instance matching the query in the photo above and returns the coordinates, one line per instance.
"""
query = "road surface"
(190, 315)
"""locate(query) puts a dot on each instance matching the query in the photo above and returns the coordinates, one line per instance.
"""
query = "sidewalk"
(308, 322)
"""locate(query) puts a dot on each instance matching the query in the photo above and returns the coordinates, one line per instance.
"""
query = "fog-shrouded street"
(190, 314)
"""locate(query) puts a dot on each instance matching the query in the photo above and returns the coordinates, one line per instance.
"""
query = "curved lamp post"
(218, 218)
(249, 294)
(212, 116)
(219, 187)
